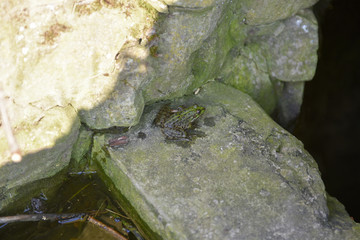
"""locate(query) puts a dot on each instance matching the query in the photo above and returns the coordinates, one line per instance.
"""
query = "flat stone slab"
(242, 176)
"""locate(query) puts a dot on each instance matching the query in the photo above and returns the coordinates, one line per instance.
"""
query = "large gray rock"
(257, 59)
(292, 50)
(182, 32)
(243, 177)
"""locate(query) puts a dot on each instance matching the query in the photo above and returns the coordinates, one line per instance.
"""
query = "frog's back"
(163, 115)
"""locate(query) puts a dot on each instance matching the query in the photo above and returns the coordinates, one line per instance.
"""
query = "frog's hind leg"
(175, 134)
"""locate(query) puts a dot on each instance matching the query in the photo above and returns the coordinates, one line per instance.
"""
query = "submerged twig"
(62, 218)
(73, 196)
(78, 192)
(14, 147)
(116, 213)
(136, 225)
(100, 207)
(40, 217)
(107, 228)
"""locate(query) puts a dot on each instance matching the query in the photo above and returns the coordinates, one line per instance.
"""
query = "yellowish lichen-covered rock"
(62, 52)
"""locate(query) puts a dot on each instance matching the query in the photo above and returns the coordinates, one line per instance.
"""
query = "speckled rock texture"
(242, 177)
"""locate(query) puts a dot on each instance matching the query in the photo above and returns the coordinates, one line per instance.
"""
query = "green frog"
(174, 123)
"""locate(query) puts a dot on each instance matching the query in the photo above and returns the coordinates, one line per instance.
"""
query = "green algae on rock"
(245, 178)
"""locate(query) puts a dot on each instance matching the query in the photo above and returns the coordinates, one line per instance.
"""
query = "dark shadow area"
(328, 124)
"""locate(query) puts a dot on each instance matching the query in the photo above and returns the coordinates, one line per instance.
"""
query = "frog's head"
(194, 112)
(199, 110)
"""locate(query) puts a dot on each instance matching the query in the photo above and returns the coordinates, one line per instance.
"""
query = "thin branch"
(78, 192)
(116, 213)
(108, 229)
(62, 218)
(100, 207)
(14, 148)
(40, 217)
(136, 225)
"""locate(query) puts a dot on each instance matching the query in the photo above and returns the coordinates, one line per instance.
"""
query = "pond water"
(79, 194)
